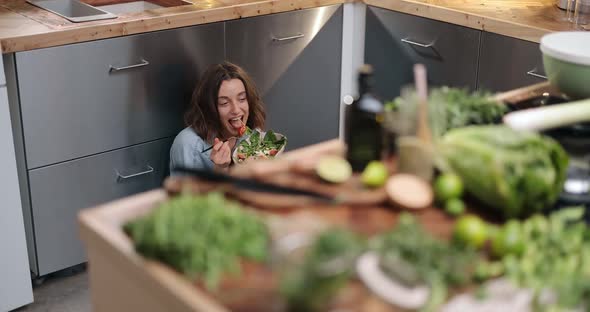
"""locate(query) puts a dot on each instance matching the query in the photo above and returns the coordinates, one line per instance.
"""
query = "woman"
(224, 100)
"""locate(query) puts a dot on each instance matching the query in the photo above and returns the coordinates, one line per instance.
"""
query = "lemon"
(375, 174)
(334, 169)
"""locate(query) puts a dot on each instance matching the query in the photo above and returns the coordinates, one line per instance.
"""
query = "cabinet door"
(87, 98)
(395, 41)
(58, 192)
(507, 63)
(295, 59)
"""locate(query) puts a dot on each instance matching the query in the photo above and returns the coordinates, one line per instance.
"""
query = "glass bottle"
(363, 129)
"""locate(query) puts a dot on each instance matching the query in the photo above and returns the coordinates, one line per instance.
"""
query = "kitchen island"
(123, 280)
(25, 27)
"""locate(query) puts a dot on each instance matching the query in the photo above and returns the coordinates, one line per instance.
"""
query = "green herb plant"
(464, 108)
(327, 266)
(451, 108)
(203, 236)
(556, 257)
(411, 255)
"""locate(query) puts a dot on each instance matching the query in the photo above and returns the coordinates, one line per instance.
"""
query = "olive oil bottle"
(363, 132)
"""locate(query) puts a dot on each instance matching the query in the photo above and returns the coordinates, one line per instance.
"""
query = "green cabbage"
(518, 173)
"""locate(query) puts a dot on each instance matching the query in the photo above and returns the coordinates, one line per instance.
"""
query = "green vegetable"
(326, 268)
(471, 231)
(509, 240)
(409, 243)
(203, 236)
(455, 207)
(555, 256)
(375, 174)
(447, 186)
(549, 117)
(449, 108)
(438, 293)
(517, 173)
(463, 108)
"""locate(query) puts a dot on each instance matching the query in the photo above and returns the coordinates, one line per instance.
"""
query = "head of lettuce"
(518, 173)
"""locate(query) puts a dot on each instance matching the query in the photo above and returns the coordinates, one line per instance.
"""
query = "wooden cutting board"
(256, 289)
(295, 170)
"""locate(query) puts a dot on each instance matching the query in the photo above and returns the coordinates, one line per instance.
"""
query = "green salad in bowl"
(259, 145)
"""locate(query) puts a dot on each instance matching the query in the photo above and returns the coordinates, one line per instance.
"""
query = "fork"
(210, 147)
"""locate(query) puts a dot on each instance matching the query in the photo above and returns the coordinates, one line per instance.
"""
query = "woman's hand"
(221, 153)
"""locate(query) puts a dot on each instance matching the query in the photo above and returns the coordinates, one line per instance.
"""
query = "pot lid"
(568, 46)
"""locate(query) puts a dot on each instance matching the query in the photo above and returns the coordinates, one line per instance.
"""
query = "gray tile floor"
(65, 291)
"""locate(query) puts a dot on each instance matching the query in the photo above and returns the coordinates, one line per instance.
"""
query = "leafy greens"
(518, 173)
(202, 236)
(260, 145)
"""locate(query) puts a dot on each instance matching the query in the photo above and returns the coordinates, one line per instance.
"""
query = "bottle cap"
(366, 69)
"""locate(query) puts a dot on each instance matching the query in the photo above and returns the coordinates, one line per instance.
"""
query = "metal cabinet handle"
(123, 177)
(533, 72)
(422, 45)
(115, 68)
(299, 35)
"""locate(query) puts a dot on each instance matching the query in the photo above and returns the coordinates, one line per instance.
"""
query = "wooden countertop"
(25, 27)
(523, 19)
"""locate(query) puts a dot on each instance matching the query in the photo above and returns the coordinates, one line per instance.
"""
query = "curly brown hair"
(203, 114)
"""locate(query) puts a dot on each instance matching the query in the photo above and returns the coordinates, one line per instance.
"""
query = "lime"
(470, 230)
(509, 240)
(455, 207)
(334, 169)
(448, 186)
(375, 174)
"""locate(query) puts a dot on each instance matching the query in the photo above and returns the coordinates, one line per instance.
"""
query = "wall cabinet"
(395, 41)
(454, 55)
(295, 59)
(507, 63)
(96, 124)
(103, 95)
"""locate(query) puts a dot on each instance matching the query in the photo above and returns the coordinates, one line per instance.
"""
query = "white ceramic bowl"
(238, 157)
(566, 58)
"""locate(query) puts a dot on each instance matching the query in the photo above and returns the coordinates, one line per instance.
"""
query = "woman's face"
(232, 104)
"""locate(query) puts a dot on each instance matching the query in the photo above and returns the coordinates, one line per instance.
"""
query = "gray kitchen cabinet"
(93, 122)
(295, 59)
(395, 41)
(507, 63)
(87, 98)
(59, 191)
